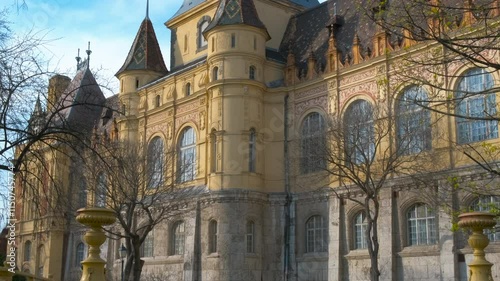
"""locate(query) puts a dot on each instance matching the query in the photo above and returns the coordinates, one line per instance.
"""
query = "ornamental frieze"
(313, 92)
(357, 77)
(320, 102)
(190, 106)
(191, 117)
(162, 127)
(370, 87)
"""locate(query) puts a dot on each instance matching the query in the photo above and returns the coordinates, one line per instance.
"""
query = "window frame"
(79, 254)
(155, 163)
(250, 237)
(414, 237)
(178, 238)
(470, 102)
(251, 72)
(413, 133)
(147, 248)
(316, 235)
(359, 231)
(27, 250)
(252, 151)
(101, 190)
(186, 168)
(212, 236)
(360, 141)
(312, 136)
(201, 42)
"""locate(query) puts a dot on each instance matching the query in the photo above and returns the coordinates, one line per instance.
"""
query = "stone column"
(479, 267)
(95, 218)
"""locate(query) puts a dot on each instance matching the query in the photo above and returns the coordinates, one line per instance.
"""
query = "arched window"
(489, 204)
(213, 143)
(251, 72)
(215, 73)
(178, 238)
(40, 260)
(212, 237)
(148, 245)
(79, 254)
(187, 155)
(101, 189)
(27, 250)
(475, 100)
(414, 131)
(421, 225)
(312, 142)
(188, 89)
(202, 25)
(250, 235)
(252, 151)
(156, 163)
(316, 235)
(359, 133)
(157, 101)
(359, 231)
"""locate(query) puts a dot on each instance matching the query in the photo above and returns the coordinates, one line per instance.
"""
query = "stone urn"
(95, 218)
(479, 267)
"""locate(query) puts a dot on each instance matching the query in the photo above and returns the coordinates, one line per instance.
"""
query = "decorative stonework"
(321, 90)
(191, 117)
(189, 106)
(369, 88)
(357, 77)
(162, 127)
(320, 102)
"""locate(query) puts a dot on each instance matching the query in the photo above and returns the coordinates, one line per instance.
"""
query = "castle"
(250, 84)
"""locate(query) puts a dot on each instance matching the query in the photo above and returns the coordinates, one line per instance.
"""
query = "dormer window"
(202, 25)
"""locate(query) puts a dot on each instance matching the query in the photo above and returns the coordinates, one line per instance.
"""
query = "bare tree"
(360, 156)
(138, 184)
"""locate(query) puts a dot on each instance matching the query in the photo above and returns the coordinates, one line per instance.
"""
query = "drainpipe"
(287, 268)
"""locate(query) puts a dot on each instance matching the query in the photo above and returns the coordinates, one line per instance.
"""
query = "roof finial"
(78, 59)
(147, 9)
(88, 55)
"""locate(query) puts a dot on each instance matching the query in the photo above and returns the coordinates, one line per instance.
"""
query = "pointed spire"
(145, 53)
(88, 55)
(147, 9)
(231, 12)
(78, 59)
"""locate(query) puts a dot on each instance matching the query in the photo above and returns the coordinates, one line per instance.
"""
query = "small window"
(252, 151)
(213, 44)
(188, 89)
(233, 40)
(213, 142)
(148, 245)
(215, 74)
(178, 238)
(250, 235)
(157, 101)
(359, 231)
(255, 43)
(185, 43)
(212, 236)
(421, 225)
(251, 72)
(123, 109)
(27, 251)
(202, 42)
(79, 254)
(136, 83)
(316, 235)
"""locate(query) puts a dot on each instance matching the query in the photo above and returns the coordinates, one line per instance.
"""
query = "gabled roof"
(232, 12)
(145, 53)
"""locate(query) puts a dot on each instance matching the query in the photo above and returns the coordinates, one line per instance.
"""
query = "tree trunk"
(138, 263)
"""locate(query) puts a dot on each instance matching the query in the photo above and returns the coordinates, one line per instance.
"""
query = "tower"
(236, 60)
(144, 63)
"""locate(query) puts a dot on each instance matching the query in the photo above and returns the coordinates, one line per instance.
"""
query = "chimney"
(57, 85)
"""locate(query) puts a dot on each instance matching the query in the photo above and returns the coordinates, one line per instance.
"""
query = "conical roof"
(232, 12)
(145, 53)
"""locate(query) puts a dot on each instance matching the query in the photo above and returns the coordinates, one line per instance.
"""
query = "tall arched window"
(252, 151)
(475, 100)
(27, 250)
(250, 237)
(488, 204)
(312, 143)
(316, 235)
(178, 238)
(215, 73)
(79, 254)
(101, 189)
(413, 131)
(212, 236)
(187, 155)
(421, 225)
(251, 72)
(359, 133)
(359, 231)
(155, 163)
(148, 245)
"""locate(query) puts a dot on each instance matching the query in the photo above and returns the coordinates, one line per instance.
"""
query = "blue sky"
(110, 26)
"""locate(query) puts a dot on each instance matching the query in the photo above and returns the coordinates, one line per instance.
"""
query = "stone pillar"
(386, 235)
(334, 232)
(479, 267)
(95, 218)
